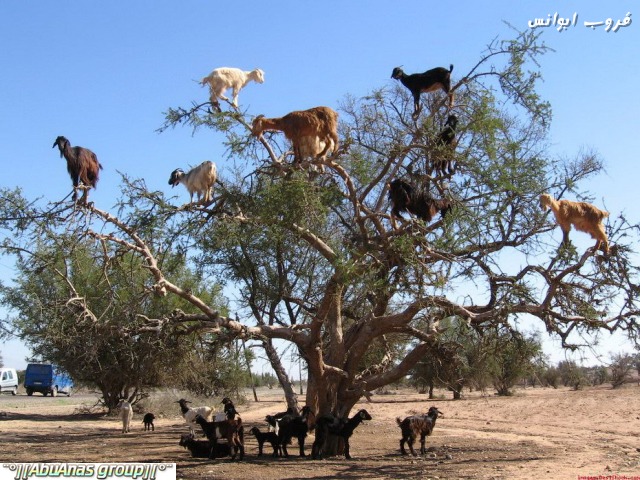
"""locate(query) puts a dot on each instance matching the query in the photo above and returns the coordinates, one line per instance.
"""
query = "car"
(8, 380)
(47, 379)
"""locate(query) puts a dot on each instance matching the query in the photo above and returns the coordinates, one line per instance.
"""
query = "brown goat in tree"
(82, 165)
(582, 215)
(406, 198)
(318, 122)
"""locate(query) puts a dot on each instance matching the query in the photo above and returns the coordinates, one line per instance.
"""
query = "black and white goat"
(189, 413)
(198, 180)
(438, 78)
(405, 197)
(330, 425)
(415, 425)
(272, 420)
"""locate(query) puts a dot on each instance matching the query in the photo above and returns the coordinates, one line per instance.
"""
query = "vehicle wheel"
(69, 392)
(54, 392)
(14, 391)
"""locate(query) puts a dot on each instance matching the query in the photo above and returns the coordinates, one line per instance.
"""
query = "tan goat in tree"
(582, 215)
(320, 123)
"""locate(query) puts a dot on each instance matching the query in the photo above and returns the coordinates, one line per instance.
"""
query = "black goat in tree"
(330, 425)
(405, 197)
(82, 165)
(444, 147)
(429, 81)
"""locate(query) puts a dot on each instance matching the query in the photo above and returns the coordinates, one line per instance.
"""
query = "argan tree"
(317, 265)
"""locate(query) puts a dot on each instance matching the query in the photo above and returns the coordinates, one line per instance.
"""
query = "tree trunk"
(288, 387)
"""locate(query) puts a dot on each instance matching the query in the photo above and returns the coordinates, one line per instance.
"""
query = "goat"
(263, 437)
(319, 123)
(445, 144)
(148, 421)
(429, 81)
(292, 425)
(417, 425)
(126, 414)
(582, 215)
(82, 165)
(198, 180)
(190, 414)
(272, 420)
(223, 78)
(330, 425)
(231, 429)
(202, 448)
(405, 198)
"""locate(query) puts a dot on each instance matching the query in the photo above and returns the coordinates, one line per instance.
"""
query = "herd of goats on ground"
(224, 431)
(313, 134)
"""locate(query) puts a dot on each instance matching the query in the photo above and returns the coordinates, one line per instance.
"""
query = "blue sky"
(102, 73)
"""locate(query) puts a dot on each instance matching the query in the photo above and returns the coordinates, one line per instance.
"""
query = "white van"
(8, 380)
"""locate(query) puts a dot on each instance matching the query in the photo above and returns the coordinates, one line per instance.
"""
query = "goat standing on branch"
(405, 197)
(198, 180)
(429, 81)
(318, 123)
(582, 215)
(227, 77)
(445, 144)
(82, 165)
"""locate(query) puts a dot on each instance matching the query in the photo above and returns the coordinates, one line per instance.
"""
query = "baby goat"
(262, 437)
(406, 198)
(228, 77)
(429, 81)
(319, 123)
(198, 180)
(417, 425)
(329, 425)
(582, 215)
(148, 421)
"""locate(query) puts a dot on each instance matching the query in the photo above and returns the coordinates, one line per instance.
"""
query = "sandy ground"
(538, 433)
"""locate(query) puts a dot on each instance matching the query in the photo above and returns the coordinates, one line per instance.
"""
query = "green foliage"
(512, 357)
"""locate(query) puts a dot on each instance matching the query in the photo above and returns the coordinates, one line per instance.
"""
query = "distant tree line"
(503, 359)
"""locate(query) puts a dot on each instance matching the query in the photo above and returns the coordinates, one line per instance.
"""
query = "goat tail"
(451, 68)
(399, 421)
